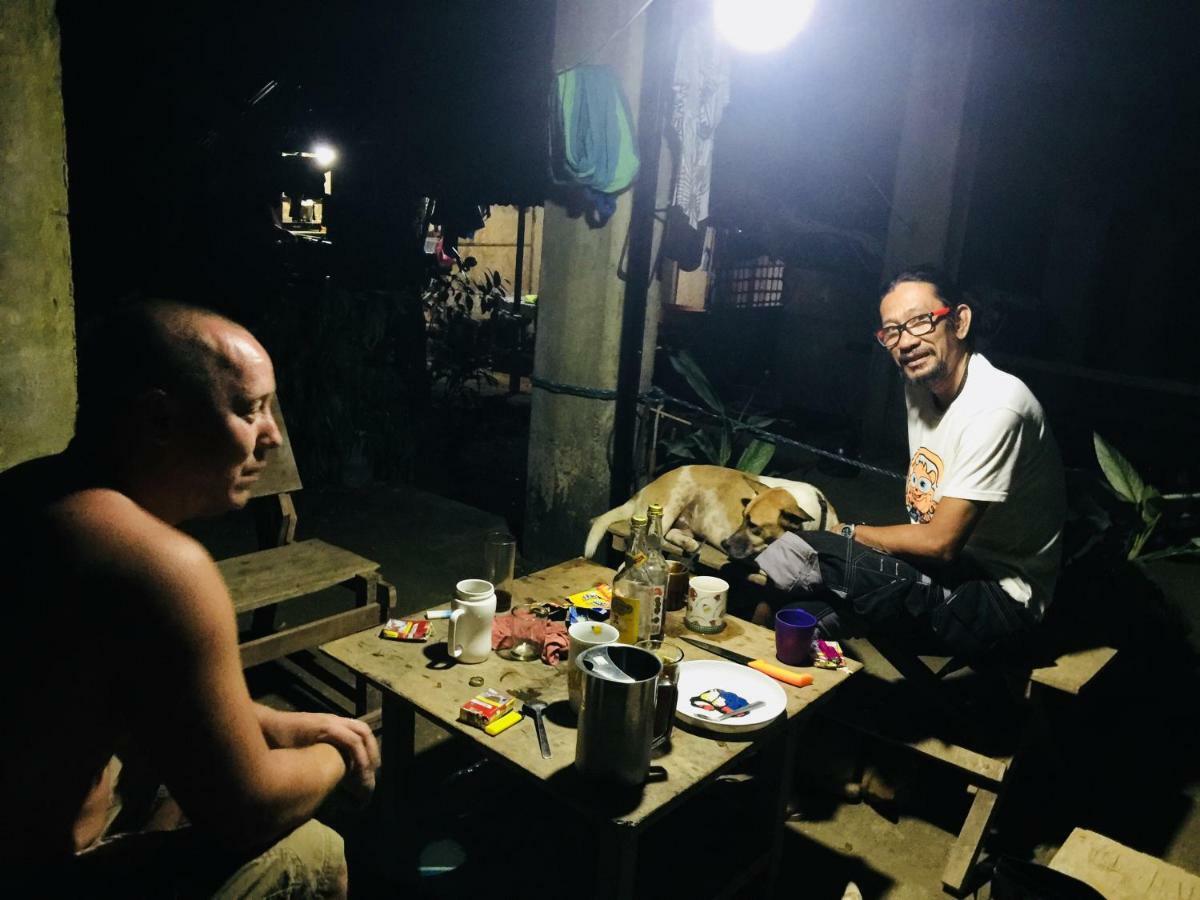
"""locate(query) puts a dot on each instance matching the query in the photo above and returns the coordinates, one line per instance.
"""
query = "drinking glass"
(667, 692)
(499, 562)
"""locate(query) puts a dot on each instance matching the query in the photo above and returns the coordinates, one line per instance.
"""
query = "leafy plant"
(461, 349)
(1147, 502)
(716, 443)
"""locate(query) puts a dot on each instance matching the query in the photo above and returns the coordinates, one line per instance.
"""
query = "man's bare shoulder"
(103, 534)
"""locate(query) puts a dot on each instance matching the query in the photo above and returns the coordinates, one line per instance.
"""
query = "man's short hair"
(152, 344)
(945, 287)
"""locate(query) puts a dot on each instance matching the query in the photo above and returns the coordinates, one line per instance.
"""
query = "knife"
(777, 672)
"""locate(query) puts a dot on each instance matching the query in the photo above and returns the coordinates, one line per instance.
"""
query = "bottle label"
(626, 611)
(657, 624)
(639, 558)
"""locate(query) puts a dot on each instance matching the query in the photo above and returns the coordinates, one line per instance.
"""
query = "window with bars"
(749, 284)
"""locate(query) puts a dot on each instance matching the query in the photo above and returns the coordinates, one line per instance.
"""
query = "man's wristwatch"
(848, 530)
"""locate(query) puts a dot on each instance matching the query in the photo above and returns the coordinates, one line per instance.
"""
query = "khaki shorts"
(308, 863)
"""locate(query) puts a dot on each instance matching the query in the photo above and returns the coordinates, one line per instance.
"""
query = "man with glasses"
(975, 567)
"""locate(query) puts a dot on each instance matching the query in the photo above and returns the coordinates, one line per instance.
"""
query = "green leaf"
(760, 421)
(683, 363)
(755, 457)
(726, 450)
(1151, 505)
(1119, 471)
(705, 445)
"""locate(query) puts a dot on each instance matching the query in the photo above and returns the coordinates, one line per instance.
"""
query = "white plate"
(699, 675)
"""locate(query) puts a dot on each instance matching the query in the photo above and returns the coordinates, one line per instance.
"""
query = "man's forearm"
(917, 541)
(294, 783)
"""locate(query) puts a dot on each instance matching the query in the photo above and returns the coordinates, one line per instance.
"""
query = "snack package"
(405, 630)
(483, 709)
(504, 723)
(594, 605)
(827, 654)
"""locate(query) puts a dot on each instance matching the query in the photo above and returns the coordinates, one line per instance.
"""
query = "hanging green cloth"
(591, 132)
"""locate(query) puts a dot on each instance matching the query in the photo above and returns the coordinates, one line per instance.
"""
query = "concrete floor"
(1142, 754)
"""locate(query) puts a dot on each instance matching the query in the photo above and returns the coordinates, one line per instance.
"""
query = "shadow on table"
(439, 656)
(601, 798)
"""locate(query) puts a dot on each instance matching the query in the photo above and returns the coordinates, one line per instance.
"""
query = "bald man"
(121, 636)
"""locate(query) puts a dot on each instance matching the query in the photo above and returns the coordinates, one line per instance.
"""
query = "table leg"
(399, 733)
(617, 873)
(778, 765)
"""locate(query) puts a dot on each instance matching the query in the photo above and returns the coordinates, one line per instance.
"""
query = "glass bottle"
(633, 593)
(656, 568)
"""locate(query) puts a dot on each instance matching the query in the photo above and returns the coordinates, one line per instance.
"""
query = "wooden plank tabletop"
(1119, 872)
(422, 675)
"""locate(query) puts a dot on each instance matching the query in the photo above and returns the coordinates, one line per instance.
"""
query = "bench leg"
(965, 852)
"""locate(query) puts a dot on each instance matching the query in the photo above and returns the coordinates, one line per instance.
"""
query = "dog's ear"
(793, 521)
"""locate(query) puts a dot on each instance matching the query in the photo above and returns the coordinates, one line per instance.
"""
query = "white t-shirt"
(992, 444)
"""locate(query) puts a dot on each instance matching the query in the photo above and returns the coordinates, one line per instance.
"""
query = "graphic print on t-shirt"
(920, 490)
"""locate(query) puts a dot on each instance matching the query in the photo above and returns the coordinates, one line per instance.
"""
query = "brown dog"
(739, 513)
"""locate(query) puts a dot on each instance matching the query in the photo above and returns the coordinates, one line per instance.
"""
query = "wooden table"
(419, 678)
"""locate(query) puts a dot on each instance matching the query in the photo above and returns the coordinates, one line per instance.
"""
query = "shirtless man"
(121, 636)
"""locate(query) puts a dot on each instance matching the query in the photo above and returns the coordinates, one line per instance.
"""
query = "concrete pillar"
(37, 310)
(580, 296)
(932, 185)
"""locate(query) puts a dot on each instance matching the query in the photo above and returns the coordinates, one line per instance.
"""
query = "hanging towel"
(700, 94)
(591, 134)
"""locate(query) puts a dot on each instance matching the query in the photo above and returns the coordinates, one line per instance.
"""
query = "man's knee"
(310, 863)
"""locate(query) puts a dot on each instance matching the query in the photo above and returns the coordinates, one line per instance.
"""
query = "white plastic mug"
(469, 639)
(706, 601)
(582, 635)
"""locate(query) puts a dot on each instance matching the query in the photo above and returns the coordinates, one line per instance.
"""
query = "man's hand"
(350, 737)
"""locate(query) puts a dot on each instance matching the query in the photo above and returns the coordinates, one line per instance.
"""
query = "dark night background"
(1081, 225)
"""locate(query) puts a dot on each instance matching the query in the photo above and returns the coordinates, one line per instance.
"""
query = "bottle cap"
(655, 509)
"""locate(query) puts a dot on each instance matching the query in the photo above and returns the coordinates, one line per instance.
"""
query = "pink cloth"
(553, 635)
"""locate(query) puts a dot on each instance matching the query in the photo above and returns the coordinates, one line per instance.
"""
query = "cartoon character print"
(920, 489)
(717, 700)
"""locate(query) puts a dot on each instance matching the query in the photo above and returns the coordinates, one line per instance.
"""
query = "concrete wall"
(37, 313)
(581, 294)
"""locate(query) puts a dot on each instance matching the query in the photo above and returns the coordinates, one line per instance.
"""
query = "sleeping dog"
(739, 513)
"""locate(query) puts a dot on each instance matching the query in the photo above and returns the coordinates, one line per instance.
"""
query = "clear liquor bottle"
(633, 592)
(656, 569)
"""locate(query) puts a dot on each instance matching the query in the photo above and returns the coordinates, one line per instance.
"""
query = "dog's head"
(766, 517)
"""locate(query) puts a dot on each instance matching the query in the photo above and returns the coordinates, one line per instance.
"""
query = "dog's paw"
(757, 578)
(683, 540)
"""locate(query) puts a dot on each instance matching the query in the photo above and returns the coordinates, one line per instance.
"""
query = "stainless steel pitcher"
(616, 718)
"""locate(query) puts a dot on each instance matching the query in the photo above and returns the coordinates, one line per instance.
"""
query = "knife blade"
(787, 676)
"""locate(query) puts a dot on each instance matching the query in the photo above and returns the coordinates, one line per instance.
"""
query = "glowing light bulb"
(325, 155)
(760, 26)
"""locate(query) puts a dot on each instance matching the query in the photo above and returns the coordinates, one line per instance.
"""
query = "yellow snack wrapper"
(597, 597)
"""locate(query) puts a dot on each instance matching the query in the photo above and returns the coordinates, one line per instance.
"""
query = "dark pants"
(957, 611)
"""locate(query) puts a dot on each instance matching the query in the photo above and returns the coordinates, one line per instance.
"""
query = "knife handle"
(781, 674)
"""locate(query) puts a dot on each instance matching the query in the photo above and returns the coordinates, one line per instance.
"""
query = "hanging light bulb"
(760, 26)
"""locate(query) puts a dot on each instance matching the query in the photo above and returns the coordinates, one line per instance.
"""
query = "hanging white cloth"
(700, 94)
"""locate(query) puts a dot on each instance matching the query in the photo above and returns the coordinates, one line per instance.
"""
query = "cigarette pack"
(485, 708)
(405, 630)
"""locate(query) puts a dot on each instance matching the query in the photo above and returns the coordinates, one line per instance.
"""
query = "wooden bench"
(986, 774)
(1120, 873)
(284, 569)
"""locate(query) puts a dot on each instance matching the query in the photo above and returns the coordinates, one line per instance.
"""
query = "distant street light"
(760, 26)
(324, 155)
